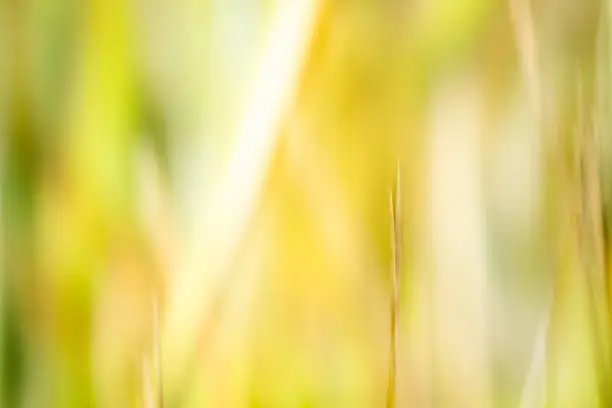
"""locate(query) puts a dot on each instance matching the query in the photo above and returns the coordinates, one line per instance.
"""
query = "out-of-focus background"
(195, 203)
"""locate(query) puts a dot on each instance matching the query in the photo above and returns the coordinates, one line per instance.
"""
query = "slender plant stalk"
(152, 367)
(148, 399)
(534, 386)
(157, 351)
(592, 245)
(535, 383)
(527, 47)
(395, 204)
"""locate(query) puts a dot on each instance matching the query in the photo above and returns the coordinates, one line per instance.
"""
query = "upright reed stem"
(395, 205)
(157, 355)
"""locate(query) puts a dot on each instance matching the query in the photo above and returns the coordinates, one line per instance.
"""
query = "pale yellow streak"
(222, 224)
(527, 45)
(147, 388)
(534, 388)
(459, 274)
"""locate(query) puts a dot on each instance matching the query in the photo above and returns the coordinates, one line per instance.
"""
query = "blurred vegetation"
(194, 203)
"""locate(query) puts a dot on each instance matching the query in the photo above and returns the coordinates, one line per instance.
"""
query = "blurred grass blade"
(223, 224)
(527, 45)
(396, 246)
(533, 394)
